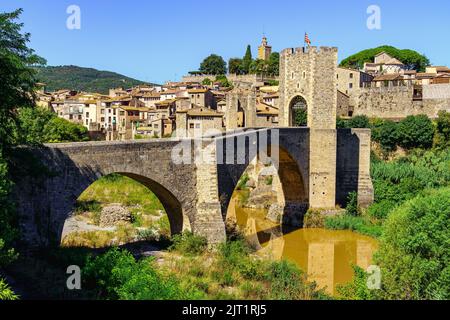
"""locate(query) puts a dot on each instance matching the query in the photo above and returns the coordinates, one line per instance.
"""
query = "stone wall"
(398, 102)
(353, 166)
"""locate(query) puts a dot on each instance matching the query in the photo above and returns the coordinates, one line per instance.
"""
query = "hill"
(83, 79)
(412, 59)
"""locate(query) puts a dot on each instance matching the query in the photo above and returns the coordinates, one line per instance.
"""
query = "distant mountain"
(83, 79)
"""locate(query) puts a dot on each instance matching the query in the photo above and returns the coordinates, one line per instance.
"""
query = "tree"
(17, 78)
(442, 137)
(413, 254)
(17, 86)
(259, 67)
(412, 59)
(206, 82)
(274, 64)
(214, 65)
(386, 134)
(247, 60)
(235, 66)
(222, 79)
(416, 132)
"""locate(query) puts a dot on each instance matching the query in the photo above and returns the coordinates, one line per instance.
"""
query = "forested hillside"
(84, 79)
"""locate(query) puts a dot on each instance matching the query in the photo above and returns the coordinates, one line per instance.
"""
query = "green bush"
(386, 134)
(442, 136)
(117, 275)
(287, 282)
(352, 204)
(5, 291)
(242, 183)
(188, 243)
(38, 126)
(414, 252)
(361, 122)
(358, 224)
(357, 289)
(416, 132)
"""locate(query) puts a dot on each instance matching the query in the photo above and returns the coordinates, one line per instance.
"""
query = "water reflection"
(327, 256)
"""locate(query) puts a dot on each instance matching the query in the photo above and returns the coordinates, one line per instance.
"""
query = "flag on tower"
(307, 41)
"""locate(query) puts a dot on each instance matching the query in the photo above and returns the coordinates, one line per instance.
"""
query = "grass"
(120, 189)
(234, 272)
(360, 224)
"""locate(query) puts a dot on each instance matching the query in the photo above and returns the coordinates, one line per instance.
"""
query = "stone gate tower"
(310, 75)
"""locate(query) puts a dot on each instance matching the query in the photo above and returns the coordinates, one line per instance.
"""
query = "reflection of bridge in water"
(326, 256)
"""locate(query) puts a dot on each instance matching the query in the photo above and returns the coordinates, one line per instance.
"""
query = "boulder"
(113, 214)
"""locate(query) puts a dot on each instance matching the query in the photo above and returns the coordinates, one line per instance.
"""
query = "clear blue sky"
(162, 40)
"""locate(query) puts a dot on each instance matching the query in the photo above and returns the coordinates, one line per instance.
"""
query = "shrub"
(314, 219)
(416, 132)
(358, 224)
(189, 243)
(287, 282)
(5, 291)
(117, 275)
(386, 134)
(352, 204)
(442, 136)
(242, 183)
(414, 254)
(361, 122)
(357, 289)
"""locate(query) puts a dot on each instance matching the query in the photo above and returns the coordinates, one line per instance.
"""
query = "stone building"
(197, 122)
(264, 50)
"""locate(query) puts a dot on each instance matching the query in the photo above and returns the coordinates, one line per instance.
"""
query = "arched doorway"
(122, 208)
(298, 112)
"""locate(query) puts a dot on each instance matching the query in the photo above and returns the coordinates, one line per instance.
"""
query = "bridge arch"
(46, 201)
(290, 165)
(298, 111)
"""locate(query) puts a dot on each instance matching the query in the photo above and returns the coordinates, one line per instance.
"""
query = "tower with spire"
(264, 50)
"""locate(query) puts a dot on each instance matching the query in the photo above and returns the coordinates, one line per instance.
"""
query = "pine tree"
(247, 60)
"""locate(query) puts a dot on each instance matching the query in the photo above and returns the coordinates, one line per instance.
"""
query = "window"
(292, 76)
(102, 119)
(70, 116)
(102, 111)
(80, 117)
(197, 126)
(351, 75)
(191, 126)
(156, 126)
(304, 75)
(350, 85)
(122, 113)
(87, 121)
(87, 114)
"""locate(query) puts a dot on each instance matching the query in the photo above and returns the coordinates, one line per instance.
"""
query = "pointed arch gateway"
(298, 112)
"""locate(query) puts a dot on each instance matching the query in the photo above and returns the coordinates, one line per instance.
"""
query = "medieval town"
(385, 88)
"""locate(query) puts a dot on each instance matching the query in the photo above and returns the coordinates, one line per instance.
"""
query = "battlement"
(309, 51)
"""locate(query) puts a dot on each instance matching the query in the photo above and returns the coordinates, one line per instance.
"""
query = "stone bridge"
(194, 193)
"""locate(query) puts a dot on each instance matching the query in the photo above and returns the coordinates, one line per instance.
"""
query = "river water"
(326, 256)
